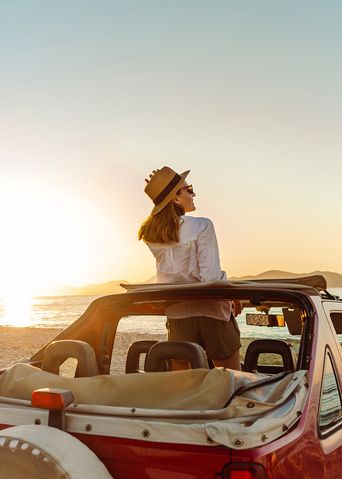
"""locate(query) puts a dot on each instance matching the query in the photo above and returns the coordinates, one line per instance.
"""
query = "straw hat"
(162, 186)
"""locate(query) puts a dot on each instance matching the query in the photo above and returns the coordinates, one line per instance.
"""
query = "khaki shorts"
(220, 339)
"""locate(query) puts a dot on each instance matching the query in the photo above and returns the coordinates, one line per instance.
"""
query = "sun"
(47, 237)
(21, 243)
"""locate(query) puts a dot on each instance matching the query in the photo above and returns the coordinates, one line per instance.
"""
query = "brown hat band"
(163, 194)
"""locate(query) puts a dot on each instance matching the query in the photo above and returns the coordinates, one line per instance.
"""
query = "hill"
(100, 289)
(334, 280)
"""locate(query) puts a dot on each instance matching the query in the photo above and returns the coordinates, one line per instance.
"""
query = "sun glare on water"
(17, 310)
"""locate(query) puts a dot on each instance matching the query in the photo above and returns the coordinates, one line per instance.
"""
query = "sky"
(96, 94)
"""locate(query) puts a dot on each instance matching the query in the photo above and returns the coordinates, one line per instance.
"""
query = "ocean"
(60, 311)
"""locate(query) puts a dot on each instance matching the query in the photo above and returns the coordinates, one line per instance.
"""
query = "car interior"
(270, 342)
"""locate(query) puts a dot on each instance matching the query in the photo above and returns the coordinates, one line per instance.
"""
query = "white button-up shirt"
(194, 258)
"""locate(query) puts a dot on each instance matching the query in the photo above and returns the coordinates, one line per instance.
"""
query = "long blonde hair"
(162, 227)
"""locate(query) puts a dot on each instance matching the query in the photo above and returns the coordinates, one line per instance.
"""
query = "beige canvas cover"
(182, 406)
(192, 389)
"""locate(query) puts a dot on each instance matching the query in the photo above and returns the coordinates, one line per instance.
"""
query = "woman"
(185, 249)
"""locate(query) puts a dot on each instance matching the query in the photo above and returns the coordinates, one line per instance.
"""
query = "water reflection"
(17, 311)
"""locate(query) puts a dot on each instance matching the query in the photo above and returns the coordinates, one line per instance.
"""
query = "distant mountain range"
(110, 287)
(334, 280)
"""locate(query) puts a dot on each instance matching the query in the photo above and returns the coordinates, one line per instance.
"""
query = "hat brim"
(169, 197)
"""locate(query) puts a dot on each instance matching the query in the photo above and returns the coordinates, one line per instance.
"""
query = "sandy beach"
(19, 343)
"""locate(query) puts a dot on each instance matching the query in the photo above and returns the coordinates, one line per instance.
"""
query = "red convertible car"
(279, 417)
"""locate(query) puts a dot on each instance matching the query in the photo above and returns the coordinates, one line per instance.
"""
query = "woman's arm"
(208, 254)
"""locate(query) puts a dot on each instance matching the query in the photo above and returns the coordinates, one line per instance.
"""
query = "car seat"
(273, 346)
(163, 351)
(57, 352)
(134, 352)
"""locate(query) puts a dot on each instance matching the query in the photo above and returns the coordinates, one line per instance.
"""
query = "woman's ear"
(175, 199)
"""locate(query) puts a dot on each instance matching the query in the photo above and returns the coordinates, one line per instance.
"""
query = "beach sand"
(19, 343)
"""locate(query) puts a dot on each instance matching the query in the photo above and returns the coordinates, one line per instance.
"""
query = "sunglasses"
(188, 188)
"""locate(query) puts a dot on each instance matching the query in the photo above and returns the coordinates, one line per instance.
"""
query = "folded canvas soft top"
(231, 408)
(317, 282)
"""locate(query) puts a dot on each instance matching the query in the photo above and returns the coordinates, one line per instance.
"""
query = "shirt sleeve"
(208, 254)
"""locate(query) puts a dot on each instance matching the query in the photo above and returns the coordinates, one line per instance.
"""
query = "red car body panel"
(138, 459)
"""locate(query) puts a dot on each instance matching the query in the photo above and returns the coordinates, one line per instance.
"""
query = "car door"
(329, 421)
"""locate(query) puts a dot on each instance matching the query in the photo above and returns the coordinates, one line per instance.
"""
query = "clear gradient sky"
(95, 94)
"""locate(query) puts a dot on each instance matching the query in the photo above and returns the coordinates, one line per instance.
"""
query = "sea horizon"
(60, 311)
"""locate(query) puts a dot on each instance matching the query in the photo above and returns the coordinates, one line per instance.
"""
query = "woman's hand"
(237, 307)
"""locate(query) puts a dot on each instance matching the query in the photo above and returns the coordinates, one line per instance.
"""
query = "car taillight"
(55, 400)
(50, 398)
(243, 470)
